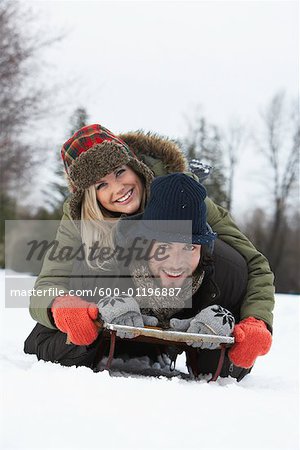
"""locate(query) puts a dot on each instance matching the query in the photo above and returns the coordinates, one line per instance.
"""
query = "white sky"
(148, 64)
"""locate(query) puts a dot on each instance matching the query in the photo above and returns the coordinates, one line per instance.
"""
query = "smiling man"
(180, 261)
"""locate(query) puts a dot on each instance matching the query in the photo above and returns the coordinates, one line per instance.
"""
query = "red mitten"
(252, 339)
(75, 317)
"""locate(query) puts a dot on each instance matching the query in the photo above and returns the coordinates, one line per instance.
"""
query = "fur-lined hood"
(158, 147)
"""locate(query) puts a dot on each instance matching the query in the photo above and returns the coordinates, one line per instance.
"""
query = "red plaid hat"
(86, 138)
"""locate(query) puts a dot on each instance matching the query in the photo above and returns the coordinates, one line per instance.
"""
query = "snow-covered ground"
(47, 406)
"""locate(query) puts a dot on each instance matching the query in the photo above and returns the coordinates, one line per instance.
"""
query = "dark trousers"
(206, 362)
(50, 345)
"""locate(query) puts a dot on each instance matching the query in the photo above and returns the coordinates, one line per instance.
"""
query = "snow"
(47, 406)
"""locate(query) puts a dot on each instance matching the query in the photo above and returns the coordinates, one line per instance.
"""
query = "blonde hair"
(98, 225)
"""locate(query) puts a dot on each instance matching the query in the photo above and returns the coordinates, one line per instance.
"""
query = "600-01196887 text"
(139, 292)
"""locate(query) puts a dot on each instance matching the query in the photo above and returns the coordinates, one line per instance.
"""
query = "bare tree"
(22, 99)
(257, 228)
(280, 146)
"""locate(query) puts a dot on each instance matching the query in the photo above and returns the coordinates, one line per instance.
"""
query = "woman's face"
(120, 191)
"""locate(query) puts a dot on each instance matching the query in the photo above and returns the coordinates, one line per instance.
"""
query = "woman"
(110, 176)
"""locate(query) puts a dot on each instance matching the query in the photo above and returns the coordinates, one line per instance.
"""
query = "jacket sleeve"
(54, 277)
(259, 299)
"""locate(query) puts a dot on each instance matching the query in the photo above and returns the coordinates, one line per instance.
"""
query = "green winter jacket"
(162, 156)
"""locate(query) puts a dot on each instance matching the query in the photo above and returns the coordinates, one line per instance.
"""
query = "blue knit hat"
(176, 212)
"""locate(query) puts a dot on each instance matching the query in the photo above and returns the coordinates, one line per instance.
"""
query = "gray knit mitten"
(214, 320)
(123, 310)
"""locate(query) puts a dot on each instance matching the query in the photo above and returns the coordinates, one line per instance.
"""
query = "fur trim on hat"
(96, 163)
(158, 147)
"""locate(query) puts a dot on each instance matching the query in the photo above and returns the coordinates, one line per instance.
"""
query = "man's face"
(175, 264)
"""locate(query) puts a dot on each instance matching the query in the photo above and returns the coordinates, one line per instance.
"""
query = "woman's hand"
(76, 317)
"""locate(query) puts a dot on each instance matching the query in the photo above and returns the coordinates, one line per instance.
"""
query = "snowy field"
(47, 406)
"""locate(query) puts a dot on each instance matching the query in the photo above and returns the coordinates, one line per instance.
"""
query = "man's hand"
(214, 320)
(124, 310)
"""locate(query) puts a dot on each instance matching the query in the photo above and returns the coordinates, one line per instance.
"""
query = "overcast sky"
(146, 64)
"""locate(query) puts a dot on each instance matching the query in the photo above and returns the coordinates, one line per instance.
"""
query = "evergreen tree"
(78, 120)
(59, 188)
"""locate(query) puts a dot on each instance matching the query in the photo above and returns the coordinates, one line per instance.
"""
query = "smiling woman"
(120, 191)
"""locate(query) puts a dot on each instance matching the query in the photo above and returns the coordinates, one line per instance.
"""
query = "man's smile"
(173, 273)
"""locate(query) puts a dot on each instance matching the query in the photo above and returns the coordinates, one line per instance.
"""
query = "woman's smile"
(126, 198)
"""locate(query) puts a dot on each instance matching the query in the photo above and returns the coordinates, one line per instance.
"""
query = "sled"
(157, 335)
